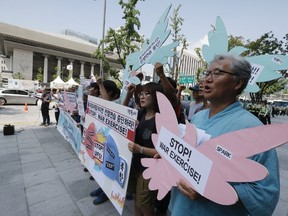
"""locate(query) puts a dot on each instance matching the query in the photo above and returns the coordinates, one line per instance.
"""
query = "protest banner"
(104, 150)
(69, 101)
(69, 130)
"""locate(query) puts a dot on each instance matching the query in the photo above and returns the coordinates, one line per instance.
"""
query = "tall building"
(189, 64)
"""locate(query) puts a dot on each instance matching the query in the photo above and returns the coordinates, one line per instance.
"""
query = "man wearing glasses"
(225, 79)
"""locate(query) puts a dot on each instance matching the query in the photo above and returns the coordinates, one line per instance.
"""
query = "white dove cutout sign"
(264, 67)
(152, 51)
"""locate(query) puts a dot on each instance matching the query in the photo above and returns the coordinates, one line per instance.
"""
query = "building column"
(59, 66)
(71, 71)
(82, 68)
(45, 70)
(11, 63)
(92, 70)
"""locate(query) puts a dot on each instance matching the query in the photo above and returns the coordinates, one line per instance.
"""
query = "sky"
(247, 18)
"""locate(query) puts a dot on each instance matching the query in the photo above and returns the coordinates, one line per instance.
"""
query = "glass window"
(10, 91)
(22, 92)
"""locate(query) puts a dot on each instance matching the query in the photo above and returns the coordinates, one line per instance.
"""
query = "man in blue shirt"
(225, 79)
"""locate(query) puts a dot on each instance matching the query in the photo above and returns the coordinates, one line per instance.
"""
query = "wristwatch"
(141, 150)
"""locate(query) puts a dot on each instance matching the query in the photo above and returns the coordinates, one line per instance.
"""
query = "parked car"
(17, 96)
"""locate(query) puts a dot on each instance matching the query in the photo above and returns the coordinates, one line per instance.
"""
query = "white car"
(17, 96)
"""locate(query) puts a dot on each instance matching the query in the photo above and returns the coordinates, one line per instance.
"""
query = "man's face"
(222, 88)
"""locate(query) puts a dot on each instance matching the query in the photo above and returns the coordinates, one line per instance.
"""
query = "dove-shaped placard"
(210, 166)
(151, 50)
(264, 67)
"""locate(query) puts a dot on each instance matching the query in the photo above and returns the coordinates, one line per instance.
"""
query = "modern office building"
(189, 64)
(27, 51)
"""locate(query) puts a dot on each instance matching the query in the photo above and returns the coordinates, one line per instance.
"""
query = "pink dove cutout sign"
(210, 166)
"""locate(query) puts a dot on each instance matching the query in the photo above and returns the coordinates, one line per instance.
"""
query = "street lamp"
(103, 35)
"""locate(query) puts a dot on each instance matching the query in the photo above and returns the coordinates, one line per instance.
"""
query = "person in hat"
(190, 107)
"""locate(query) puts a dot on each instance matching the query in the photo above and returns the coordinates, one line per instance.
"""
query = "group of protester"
(217, 111)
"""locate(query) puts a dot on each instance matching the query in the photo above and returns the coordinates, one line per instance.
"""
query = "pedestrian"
(225, 79)
(46, 99)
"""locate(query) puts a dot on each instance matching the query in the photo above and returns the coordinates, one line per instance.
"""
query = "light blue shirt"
(258, 198)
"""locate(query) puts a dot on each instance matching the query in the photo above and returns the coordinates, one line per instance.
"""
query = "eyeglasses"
(144, 94)
(215, 73)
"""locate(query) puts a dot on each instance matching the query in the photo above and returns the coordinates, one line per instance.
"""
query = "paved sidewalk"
(42, 176)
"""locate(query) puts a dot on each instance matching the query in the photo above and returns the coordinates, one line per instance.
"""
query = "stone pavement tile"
(59, 206)
(10, 166)
(45, 191)
(81, 188)
(47, 140)
(61, 156)
(13, 200)
(87, 208)
(30, 139)
(8, 150)
(33, 157)
(72, 174)
(38, 177)
(9, 157)
(32, 144)
(36, 166)
(10, 177)
(283, 192)
(7, 139)
(54, 149)
(281, 209)
(26, 135)
(67, 164)
(31, 150)
(7, 144)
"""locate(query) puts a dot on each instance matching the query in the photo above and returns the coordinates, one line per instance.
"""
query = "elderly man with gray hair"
(227, 76)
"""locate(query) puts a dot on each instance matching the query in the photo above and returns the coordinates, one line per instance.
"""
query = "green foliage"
(54, 76)
(266, 44)
(121, 41)
(39, 75)
(18, 75)
(176, 24)
(235, 41)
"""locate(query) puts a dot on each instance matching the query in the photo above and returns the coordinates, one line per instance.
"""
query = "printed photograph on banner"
(104, 150)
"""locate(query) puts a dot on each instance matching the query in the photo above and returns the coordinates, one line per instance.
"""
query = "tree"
(39, 75)
(176, 23)
(123, 40)
(18, 76)
(268, 44)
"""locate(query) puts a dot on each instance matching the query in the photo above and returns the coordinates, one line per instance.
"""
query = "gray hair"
(240, 67)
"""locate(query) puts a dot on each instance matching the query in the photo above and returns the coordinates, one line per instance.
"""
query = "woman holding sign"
(225, 79)
(143, 147)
